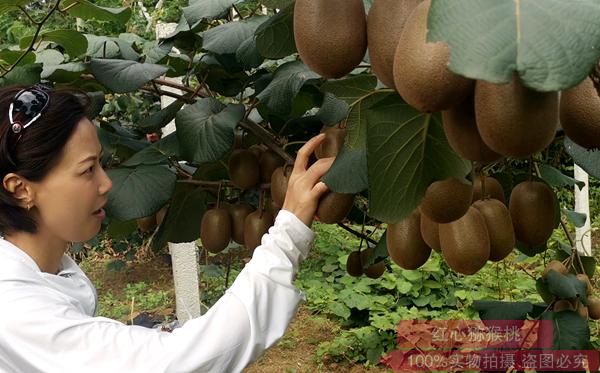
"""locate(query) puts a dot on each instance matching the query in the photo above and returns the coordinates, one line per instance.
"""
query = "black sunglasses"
(28, 105)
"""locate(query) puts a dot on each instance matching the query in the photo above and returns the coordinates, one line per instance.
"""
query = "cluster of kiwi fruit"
(589, 311)
(469, 223)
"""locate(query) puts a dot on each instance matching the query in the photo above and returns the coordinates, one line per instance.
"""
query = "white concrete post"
(184, 256)
(583, 235)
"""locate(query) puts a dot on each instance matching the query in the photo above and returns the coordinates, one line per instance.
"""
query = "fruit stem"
(219, 194)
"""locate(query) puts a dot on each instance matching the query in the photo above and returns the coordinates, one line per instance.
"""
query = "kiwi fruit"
(562, 305)
(330, 35)
(238, 213)
(594, 307)
(462, 133)
(215, 229)
(375, 270)
(279, 184)
(582, 310)
(333, 207)
(257, 149)
(586, 280)
(532, 206)
(499, 227)
(354, 264)
(269, 161)
(385, 22)
(580, 114)
(330, 147)
(256, 224)
(493, 189)
(514, 120)
(244, 169)
(430, 232)
(447, 200)
(421, 73)
(161, 214)
(146, 224)
(405, 244)
(465, 242)
(556, 266)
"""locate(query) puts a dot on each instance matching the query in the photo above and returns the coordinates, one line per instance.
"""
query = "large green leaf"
(570, 330)
(578, 219)
(247, 54)
(552, 44)
(227, 38)
(160, 119)
(351, 90)
(74, 42)
(125, 76)
(86, 10)
(63, 73)
(24, 75)
(101, 47)
(333, 110)
(287, 81)
(206, 10)
(406, 152)
(8, 5)
(157, 153)
(8, 57)
(555, 178)
(587, 159)
(156, 51)
(206, 129)
(275, 37)
(496, 310)
(139, 192)
(348, 174)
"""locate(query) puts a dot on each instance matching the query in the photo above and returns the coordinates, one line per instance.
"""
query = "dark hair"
(38, 150)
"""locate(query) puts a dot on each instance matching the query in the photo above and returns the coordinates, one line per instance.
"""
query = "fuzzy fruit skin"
(421, 73)
(499, 226)
(256, 225)
(215, 230)
(238, 214)
(330, 35)
(279, 184)
(580, 114)
(493, 189)
(244, 169)
(556, 266)
(334, 139)
(463, 136)
(375, 270)
(532, 209)
(466, 243)
(430, 232)
(333, 207)
(269, 161)
(447, 200)
(354, 264)
(562, 305)
(594, 307)
(385, 23)
(513, 120)
(405, 245)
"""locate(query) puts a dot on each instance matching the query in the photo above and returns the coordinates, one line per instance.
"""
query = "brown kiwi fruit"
(244, 169)
(580, 114)
(557, 266)
(147, 224)
(354, 264)
(594, 307)
(256, 224)
(405, 244)
(447, 200)
(463, 136)
(269, 161)
(514, 120)
(493, 189)
(215, 229)
(385, 22)
(421, 73)
(499, 227)
(333, 207)
(532, 206)
(586, 280)
(238, 213)
(375, 270)
(466, 243)
(330, 35)
(430, 231)
(279, 184)
(257, 149)
(562, 305)
(582, 310)
(330, 147)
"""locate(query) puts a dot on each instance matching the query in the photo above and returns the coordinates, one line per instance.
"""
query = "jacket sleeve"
(44, 335)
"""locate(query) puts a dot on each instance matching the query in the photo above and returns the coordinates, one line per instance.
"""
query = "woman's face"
(69, 200)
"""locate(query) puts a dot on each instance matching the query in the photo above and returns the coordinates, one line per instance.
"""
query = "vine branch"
(356, 233)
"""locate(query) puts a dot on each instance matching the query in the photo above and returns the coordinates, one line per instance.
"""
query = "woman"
(53, 192)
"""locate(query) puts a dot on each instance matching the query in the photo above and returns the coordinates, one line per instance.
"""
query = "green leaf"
(570, 330)
(125, 76)
(48, 57)
(8, 57)
(287, 81)
(156, 51)
(351, 90)
(160, 119)
(340, 310)
(115, 265)
(563, 287)
(64, 73)
(542, 288)
(181, 222)
(578, 219)
(589, 160)
(333, 110)
(127, 51)
(406, 152)
(247, 54)
(524, 37)
(9, 5)
(101, 47)
(496, 310)
(139, 192)
(275, 37)
(555, 178)
(23, 75)
(206, 129)
(74, 42)
(348, 174)
(589, 263)
(206, 10)
(227, 38)
(86, 10)
(157, 153)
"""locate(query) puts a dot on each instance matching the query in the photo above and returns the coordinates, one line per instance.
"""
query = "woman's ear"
(20, 188)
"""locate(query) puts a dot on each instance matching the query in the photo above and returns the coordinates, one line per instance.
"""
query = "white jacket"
(47, 321)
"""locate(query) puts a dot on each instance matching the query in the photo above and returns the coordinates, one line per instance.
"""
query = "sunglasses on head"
(28, 106)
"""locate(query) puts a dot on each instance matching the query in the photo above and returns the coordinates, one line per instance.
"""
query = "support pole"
(583, 235)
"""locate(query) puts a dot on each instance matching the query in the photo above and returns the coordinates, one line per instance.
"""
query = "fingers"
(305, 152)
(318, 169)
(320, 189)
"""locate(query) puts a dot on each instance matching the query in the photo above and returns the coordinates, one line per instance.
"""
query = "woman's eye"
(90, 170)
